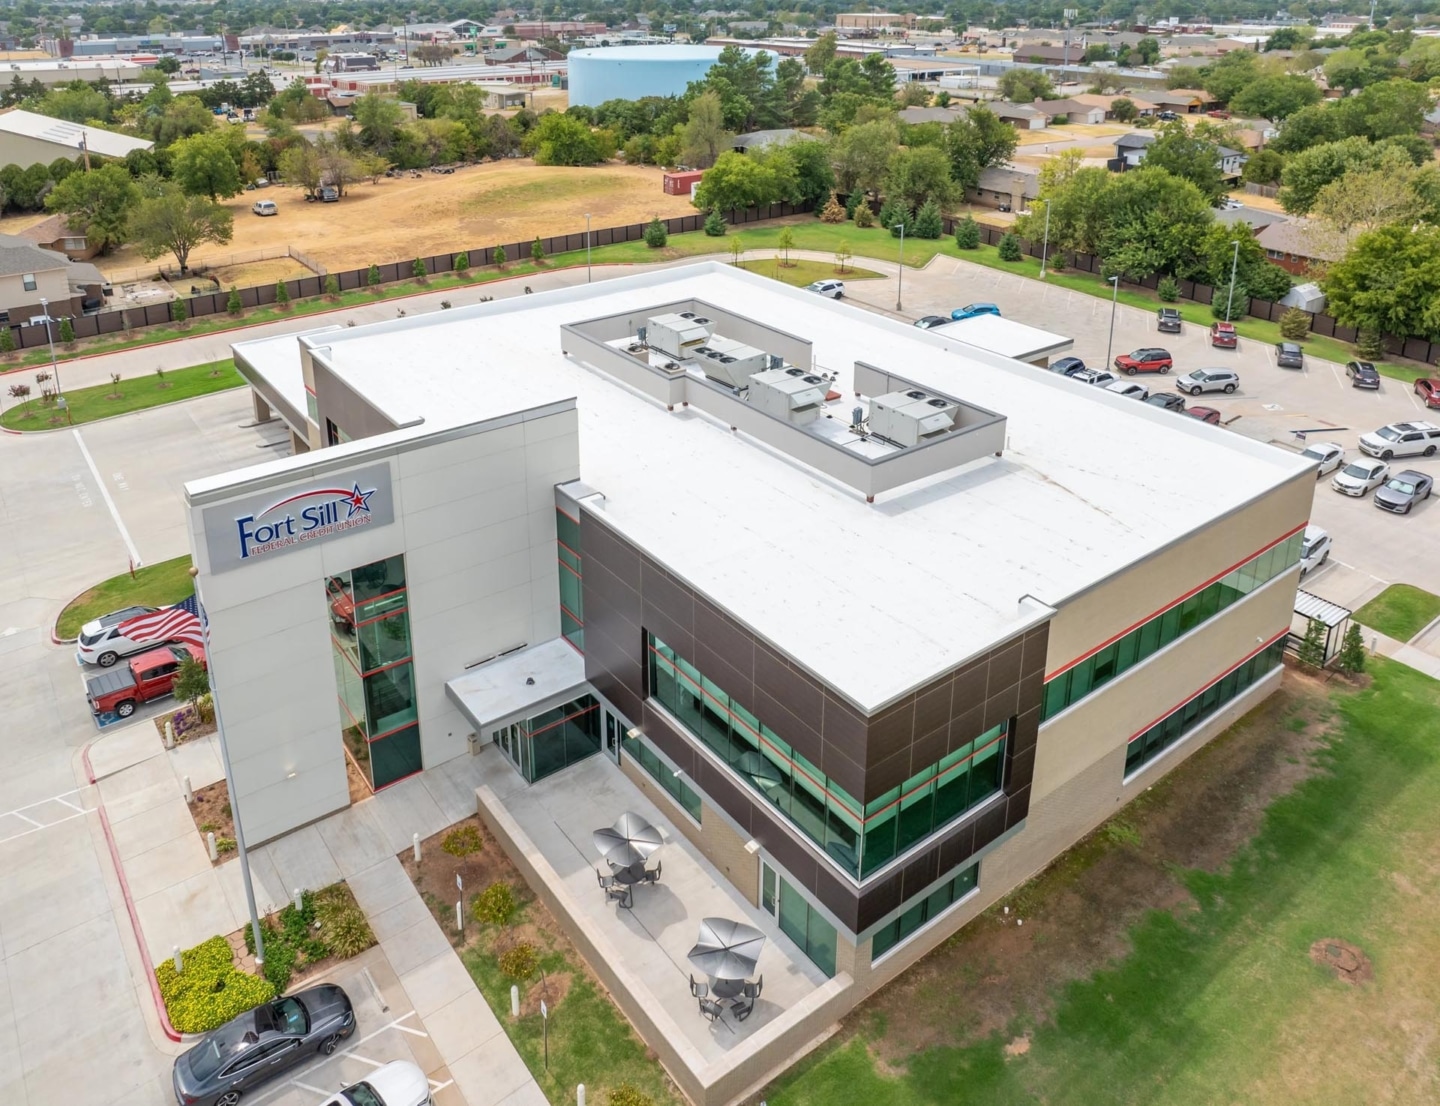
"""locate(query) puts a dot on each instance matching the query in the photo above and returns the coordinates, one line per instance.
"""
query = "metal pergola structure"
(1310, 607)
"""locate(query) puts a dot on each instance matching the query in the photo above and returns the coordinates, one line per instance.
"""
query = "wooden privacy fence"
(119, 320)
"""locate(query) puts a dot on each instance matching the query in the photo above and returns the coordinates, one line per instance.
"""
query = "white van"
(264, 207)
(1314, 549)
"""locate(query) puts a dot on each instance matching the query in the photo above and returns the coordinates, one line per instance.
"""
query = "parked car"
(1314, 549)
(1327, 457)
(119, 690)
(1168, 320)
(1152, 359)
(1204, 414)
(329, 194)
(1166, 116)
(264, 207)
(831, 289)
(1209, 380)
(1129, 388)
(262, 182)
(1428, 389)
(260, 1044)
(1403, 490)
(1230, 205)
(1223, 336)
(101, 642)
(1289, 356)
(1167, 400)
(1360, 477)
(930, 322)
(1065, 366)
(1218, 114)
(398, 1083)
(1093, 376)
(1402, 439)
(970, 310)
(1362, 374)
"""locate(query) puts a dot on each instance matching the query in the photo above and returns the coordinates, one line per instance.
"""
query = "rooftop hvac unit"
(911, 418)
(730, 362)
(797, 400)
(676, 335)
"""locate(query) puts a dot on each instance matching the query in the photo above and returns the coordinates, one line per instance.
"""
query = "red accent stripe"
(560, 721)
(381, 617)
(1190, 698)
(573, 615)
(1171, 606)
(568, 569)
(578, 555)
(567, 514)
(395, 730)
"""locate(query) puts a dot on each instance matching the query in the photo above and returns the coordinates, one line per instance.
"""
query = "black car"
(930, 322)
(260, 1044)
(1169, 320)
(1067, 366)
(1362, 374)
(1167, 400)
(1402, 491)
(1289, 356)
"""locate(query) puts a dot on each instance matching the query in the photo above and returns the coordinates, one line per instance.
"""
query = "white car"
(101, 643)
(1126, 388)
(1327, 456)
(1314, 549)
(398, 1083)
(1092, 376)
(834, 289)
(1402, 439)
(1361, 477)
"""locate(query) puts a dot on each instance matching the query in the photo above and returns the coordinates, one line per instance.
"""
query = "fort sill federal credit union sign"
(283, 520)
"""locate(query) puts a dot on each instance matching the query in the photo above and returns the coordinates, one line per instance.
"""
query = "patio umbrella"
(726, 949)
(629, 841)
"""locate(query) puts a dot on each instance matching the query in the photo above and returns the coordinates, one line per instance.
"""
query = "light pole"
(1045, 248)
(1114, 299)
(1234, 261)
(900, 287)
(54, 367)
(587, 248)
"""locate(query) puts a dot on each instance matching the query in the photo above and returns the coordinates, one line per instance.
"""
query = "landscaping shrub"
(494, 906)
(344, 930)
(1168, 289)
(928, 223)
(417, 270)
(967, 233)
(655, 233)
(834, 211)
(234, 304)
(627, 1094)
(1294, 325)
(67, 332)
(1312, 646)
(715, 225)
(328, 923)
(211, 990)
(462, 262)
(372, 277)
(499, 257)
(864, 217)
(537, 250)
(1352, 651)
(1370, 344)
(893, 212)
(332, 285)
(282, 293)
(1238, 303)
(462, 841)
(854, 202)
(1009, 249)
(520, 961)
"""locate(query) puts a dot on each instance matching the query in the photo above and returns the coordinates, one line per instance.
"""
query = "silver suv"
(1402, 439)
(1208, 380)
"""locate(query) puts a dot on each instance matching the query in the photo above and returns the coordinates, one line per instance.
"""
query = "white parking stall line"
(435, 1087)
(23, 818)
(365, 1060)
(310, 1087)
(67, 802)
(105, 494)
(1336, 374)
(412, 1032)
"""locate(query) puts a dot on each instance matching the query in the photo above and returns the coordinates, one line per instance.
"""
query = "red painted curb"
(170, 1030)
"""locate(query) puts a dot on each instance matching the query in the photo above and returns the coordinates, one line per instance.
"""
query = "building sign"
(286, 519)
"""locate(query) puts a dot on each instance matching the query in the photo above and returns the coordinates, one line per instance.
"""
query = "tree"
(821, 52)
(1294, 324)
(1264, 167)
(1187, 155)
(843, 255)
(97, 204)
(893, 213)
(332, 287)
(300, 167)
(1364, 199)
(234, 304)
(704, 138)
(655, 233)
(928, 223)
(1025, 86)
(179, 312)
(1352, 651)
(1124, 110)
(202, 166)
(802, 166)
(736, 181)
(498, 256)
(379, 118)
(1351, 69)
(181, 117)
(1389, 282)
(564, 140)
(967, 233)
(1151, 222)
(1148, 49)
(173, 222)
(1307, 172)
(1275, 98)
(372, 276)
(715, 225)
(1312, 645)
(1229, 74)
(862, 155)
(169, 65)
(192, 682)
(1384, 110)
(462, 262)
(417, 270)
(338, 167)
(833, 212)
(864, 217)
(980, 141)
(537, 250)
(917, 176)
(785, 242)
(914, 95)
(67, 332)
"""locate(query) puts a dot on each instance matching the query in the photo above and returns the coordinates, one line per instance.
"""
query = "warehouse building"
(877, 623)
(28, 138)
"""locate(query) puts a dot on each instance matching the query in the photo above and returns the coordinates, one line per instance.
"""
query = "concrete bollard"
(211, 847)
(514, 1001)
(179, 964)
(169, 734)
(186, 788)
(297, 899)
(415, 843)
(579, 1094)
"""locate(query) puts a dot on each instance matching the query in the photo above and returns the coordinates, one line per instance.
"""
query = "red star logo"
(358, 501)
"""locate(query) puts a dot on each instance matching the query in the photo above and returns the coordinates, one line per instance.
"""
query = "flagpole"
(229, 779)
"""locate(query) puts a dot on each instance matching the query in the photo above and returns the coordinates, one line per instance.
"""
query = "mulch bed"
(184, 730)
(211, 811)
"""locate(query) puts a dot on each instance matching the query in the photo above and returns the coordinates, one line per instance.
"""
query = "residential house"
(1144, 108)
(1296, 246)
(29, 274)
(1024, 117)
(56, 234)
(1187, 101)
(1253, 217)
(1070, 111)
(1130, 152)
(760, 140)
(1011, 185)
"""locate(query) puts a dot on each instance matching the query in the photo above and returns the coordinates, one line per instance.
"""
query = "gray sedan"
(1402, 491)
(260, 1044)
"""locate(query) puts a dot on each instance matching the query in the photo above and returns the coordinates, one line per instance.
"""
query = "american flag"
(178, 623)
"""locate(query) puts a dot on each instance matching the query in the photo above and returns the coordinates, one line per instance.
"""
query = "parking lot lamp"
(240, 850)
(1234, 262)
(1045, 248)
(50, 338)
(1114, 299)
(587, 247)
(900, 287)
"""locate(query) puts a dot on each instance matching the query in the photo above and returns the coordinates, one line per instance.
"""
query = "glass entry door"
(614, 731)
(514, 742)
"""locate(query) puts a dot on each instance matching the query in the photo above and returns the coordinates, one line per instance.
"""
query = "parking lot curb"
(170, 1030)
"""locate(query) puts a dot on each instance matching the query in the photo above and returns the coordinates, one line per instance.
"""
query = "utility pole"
(1114, 299)
(1234, 263)
(900, 287)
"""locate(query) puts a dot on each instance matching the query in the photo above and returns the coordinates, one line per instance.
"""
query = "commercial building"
(630, 72)
(50, 71)
(878, 622)
(29, 138)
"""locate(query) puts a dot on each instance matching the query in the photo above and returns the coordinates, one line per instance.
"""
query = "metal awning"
(519, 685)
(1310, 605)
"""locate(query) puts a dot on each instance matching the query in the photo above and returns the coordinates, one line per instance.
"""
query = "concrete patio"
(640, 952)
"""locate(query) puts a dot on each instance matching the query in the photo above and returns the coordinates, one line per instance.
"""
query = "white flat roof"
(276, 361)
(1006, 337)
(63, 133)
(914, 584)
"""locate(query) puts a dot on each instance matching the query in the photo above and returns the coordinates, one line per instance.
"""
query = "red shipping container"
(678, 184)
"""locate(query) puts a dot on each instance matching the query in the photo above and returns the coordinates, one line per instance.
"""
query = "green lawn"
(135, 394)
(156, 585)
(1222, 1004)
(803, 273)
(1400, 611)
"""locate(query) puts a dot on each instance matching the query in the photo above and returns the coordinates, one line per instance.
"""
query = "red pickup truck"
(143, 677)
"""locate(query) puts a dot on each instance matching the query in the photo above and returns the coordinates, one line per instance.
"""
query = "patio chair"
(711, 1009)
(603, 880)
(752, 990)
(742, 1008)
(652, 875)
(699, 990)
(618, 893)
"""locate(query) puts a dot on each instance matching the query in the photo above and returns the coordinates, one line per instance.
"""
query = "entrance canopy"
(518, 685)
